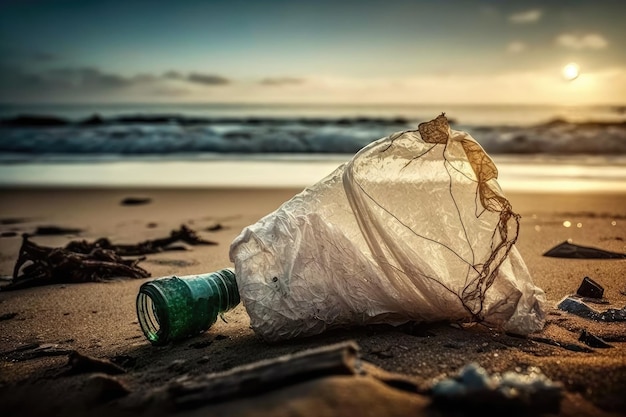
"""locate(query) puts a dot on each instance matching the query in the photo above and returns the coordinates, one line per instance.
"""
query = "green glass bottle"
(174, 308)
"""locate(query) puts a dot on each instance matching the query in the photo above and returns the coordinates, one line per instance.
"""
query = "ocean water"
(541, 148)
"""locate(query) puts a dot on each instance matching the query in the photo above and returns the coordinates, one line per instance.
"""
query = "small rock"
(214, 228)
(578, 307)
(590, 288)
(473, 389)
(592, 340)
(135, 201)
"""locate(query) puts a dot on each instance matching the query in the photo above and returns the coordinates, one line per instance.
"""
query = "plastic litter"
(413, 228)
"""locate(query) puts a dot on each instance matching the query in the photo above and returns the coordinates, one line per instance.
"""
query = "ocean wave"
(173, 134)
(555, 137)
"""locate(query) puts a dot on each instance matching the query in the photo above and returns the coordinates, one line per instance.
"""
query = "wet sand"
(99, 319)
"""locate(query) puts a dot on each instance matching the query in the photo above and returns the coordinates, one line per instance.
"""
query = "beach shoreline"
(517, 174)
(99, 319)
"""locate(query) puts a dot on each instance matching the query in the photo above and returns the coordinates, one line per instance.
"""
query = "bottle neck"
(171, 308)
(226, 284)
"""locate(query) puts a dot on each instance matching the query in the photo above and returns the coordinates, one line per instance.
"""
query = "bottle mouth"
(152, 319)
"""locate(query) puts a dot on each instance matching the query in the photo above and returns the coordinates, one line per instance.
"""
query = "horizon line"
(306, 104)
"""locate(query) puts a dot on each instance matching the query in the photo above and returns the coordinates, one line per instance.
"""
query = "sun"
(571, 71)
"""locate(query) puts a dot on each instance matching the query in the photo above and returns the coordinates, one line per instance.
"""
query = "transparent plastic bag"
(413, 228)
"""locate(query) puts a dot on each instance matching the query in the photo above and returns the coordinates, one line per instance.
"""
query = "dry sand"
(99, 319)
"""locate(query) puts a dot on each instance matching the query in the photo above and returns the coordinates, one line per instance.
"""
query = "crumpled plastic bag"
(413, 228)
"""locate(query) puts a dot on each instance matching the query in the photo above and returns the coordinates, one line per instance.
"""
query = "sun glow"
(571, 71)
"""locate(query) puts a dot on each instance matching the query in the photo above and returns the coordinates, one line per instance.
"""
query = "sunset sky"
(312, 51)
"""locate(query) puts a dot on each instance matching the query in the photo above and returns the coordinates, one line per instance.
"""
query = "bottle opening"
(148, 314)
(171, 308)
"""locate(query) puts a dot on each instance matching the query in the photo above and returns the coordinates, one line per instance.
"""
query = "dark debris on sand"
(82, 261)
(56, 231)
(135, 201)
(573, 251)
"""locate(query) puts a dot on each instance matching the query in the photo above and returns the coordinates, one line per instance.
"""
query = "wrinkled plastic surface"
(413, 228)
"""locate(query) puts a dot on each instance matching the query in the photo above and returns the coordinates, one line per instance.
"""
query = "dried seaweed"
(184, 234)
(82, 261)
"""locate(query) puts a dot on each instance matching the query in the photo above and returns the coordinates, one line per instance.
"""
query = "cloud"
(588, 41)
(75, 83)
(69, 83)
(16, 82)
(516, 47)
(516, 87)
(529, 16)
(174, 75)
(170, 92)
(85, 78)
(282, 81)
(207, 79)
(144, 78)
(198, 78)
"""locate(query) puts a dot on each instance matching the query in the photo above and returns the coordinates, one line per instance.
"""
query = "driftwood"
(82, 261)
(189, 392)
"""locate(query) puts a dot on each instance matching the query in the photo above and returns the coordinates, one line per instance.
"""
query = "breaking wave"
(30, 137)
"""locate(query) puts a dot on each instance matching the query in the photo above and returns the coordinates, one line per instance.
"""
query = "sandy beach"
(99, 319)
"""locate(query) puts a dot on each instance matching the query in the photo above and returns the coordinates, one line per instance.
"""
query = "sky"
(275, 51)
